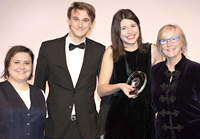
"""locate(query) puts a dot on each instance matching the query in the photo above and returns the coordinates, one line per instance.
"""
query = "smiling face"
(20, 67)
(80, 24)
(171, 50)
(129, 32)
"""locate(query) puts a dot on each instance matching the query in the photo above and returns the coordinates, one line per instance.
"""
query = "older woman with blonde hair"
(175, 88)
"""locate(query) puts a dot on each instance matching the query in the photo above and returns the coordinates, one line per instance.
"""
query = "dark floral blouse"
(176, 100)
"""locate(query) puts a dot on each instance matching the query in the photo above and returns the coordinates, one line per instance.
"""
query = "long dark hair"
(11, 52)
(117, 44)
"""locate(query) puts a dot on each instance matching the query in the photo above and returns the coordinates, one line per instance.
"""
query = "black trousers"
(71, 133)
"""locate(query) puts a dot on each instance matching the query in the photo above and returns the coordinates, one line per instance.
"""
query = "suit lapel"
(62, 56)
(86, 60)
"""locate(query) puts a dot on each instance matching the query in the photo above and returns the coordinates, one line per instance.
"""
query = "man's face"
(80, 24)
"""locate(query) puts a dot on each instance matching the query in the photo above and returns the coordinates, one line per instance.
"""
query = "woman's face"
(20, 67)
(171, 50)
(129, 32)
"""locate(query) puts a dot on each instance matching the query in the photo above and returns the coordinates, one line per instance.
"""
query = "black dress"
(177, 102)
(129, 118)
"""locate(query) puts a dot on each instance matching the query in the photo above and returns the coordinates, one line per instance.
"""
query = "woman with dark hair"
(130, 116)
(22, 106)
(175, 88)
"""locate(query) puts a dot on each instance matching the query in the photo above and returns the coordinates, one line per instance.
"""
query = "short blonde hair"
(178, 30)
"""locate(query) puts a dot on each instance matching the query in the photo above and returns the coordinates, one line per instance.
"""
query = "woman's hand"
(127, 89)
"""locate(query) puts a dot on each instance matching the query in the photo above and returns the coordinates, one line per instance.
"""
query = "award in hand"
(138, 81)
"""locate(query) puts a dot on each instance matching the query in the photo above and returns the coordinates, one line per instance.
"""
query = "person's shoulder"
(53, 43)
(2, 82)
(94, 43)
(193, 64)
(108, 52)
(192, 69)
(5, 84)
(34, 87)
(109, 49)
(55, 40)
(158, 65)
(147, 45)
(157, 68)
(154, 48)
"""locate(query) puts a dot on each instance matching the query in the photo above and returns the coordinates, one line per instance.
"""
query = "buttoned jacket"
(52, 67)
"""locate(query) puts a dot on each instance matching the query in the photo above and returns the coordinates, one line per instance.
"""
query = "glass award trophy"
(137, 80)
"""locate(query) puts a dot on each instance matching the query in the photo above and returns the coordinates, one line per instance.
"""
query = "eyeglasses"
(172, 40)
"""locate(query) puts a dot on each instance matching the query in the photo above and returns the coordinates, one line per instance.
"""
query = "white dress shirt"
(74, 60)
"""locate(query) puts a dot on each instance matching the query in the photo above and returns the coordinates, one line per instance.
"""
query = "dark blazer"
(177, 102)
(52, 67)
(18, 122)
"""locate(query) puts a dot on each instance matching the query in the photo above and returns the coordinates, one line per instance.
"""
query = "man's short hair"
(82, 6)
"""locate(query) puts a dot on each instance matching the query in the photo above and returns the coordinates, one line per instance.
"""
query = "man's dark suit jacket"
(52, 67)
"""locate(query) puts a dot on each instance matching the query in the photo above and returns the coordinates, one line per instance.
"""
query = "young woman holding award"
(128, 61)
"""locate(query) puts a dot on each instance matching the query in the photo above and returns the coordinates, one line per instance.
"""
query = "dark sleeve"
(41, 73)
(195, 124)
(197, 79)
(102, 52)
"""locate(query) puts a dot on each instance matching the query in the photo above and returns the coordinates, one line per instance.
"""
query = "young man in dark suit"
(71, 65)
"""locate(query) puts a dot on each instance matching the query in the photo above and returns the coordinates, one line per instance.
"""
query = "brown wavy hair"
(117, 44)
(82, 6)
